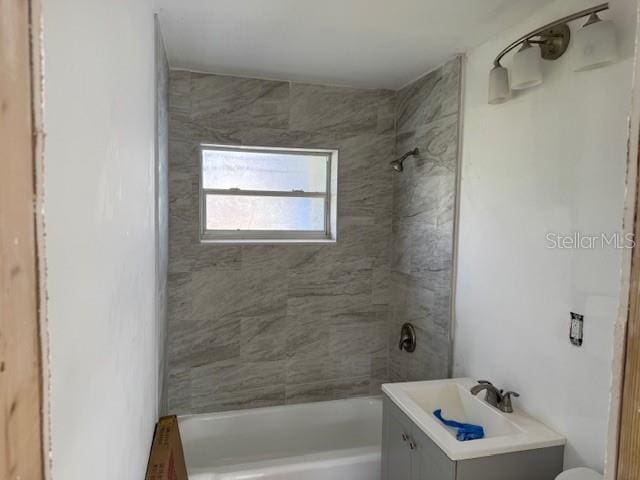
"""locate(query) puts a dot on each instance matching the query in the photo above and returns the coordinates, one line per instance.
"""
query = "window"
(256, 194)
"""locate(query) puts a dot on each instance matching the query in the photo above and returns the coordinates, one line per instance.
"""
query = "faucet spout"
(493, 396)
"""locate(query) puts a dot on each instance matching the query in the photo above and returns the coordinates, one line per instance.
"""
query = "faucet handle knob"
(506, 401)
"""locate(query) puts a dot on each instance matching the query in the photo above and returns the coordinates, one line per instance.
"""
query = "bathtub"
(336, 440)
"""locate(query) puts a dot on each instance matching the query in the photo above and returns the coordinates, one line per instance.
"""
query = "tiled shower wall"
(265, 325)
(272, 324)
(423, 223)
(162, 208)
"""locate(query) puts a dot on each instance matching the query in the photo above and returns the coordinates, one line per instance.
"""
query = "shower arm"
(415, 151)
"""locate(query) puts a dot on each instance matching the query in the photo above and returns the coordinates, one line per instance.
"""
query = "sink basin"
(458, 403)
(504, 432)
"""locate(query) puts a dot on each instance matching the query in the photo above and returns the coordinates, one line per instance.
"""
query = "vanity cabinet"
(409, 454)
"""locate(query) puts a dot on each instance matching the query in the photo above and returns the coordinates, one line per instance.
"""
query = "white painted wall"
(99, 214)
(551, 159)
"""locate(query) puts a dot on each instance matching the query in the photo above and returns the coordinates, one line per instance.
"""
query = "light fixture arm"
(543, 31)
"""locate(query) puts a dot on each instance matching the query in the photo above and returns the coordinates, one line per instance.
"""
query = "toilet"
(579, 474)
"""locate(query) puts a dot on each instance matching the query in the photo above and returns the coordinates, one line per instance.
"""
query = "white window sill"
(266, 241)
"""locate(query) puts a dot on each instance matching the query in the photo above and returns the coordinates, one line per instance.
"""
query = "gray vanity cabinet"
(409, 454)
(429, 462)
(396, 432)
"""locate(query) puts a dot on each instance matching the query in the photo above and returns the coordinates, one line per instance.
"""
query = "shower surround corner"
(423, 223)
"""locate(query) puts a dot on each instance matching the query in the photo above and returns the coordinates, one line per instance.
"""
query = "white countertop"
(504, 432)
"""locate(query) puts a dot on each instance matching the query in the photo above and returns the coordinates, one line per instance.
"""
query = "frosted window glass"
(243, 212)
(270, 171)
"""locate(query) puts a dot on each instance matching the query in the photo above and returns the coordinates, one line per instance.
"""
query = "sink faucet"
(498, 398)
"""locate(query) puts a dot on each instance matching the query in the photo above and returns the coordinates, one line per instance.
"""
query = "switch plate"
(576, 329)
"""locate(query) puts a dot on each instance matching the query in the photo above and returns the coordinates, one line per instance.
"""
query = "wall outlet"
(576, 329)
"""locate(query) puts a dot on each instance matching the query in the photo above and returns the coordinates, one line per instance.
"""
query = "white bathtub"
(335, 440)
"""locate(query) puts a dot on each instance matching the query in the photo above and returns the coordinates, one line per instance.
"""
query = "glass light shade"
(499, 91)
(595, 45)
(527, 71)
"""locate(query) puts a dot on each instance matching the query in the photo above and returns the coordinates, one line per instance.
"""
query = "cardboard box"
(166, 460)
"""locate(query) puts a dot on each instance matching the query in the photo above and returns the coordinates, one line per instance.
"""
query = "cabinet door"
(428, 462)
(396, 454)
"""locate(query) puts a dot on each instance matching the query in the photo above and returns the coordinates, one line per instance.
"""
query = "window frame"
(327, 235)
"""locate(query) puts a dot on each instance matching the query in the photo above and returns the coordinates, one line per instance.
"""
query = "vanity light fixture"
(595, 45)
(527, 67)
(499, 91)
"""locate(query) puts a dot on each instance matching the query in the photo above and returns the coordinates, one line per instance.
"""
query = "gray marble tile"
(218, 293)
(431, 97)
(264, 337)
(340, 109)
(178, 390)
(398, 365)
(230, 377)
(270, 260)
(180, 92)
(431, 361)
(327, 390)
(365, 179)
(249, 398)
(309, 392)
(179, 299)
(195, 342)
(351, 387)
(301, 369)
(316, 279)
(220, 258)
(370, 241)
(354, 340)
(348, 303)
(181, 255)
(200, 131)
(307, 338)
(225, 102)
(359, 333)
(183, 190)
(282, 137)
(438, 144)
(351, 365)
(379, 374)
(181, 135)
(386, 112)
(424, 199)
(380, 288)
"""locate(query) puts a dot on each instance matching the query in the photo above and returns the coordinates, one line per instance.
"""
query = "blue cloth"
(466, 431)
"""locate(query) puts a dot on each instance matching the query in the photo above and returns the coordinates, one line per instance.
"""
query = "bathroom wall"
(272, 324)
(427, 114)
(550, 160)
(162, 207)
(99, 171)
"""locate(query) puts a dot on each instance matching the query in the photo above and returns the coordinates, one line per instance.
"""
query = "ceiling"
(362, 43)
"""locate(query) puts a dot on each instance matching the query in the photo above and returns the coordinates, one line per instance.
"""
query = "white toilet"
(579, 474)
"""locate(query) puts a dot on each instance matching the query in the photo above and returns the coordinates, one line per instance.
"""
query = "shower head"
(397, 163)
